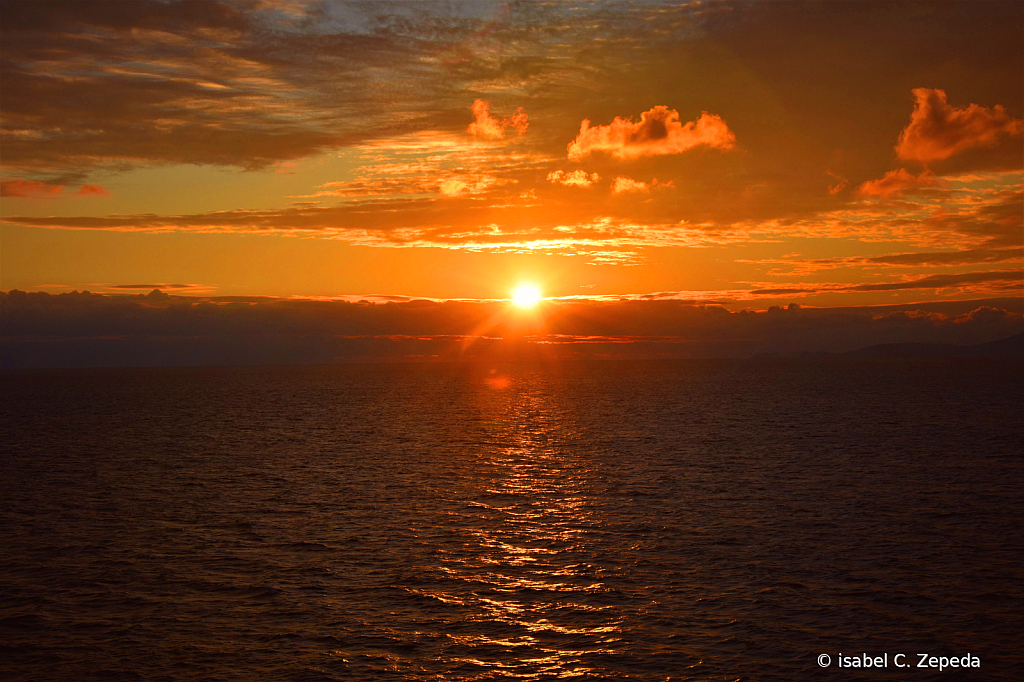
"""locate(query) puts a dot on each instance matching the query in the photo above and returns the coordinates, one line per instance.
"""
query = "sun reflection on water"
(533, 595)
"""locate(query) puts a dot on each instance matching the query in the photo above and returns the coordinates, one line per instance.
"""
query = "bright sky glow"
(526, 296)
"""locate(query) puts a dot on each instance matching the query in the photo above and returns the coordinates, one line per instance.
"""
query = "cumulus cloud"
(897, 182)
(577, 178)
(937, 130)
(491, 127)
(659, 131)
(624, 184)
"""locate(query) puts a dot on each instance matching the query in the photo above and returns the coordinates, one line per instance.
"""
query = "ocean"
(618, 520)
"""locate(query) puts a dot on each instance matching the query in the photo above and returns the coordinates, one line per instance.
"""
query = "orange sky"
(752, 154)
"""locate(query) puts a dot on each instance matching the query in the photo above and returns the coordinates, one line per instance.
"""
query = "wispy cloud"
(897, 182)
(985, 212)
(151, 286)
(919, 259)
(248, 85)
(35, 189)
(997, 282)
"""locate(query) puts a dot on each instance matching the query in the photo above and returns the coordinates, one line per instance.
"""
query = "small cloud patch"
(491, 127)
(577, 178)
(659, 131)
(93, 191)
(28, 189)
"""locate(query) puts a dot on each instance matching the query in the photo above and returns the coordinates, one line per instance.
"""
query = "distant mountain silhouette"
(1013, 345)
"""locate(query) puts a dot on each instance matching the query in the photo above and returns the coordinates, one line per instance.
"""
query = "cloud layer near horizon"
(82, 329)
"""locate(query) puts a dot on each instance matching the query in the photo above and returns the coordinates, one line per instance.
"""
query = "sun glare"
(526, 296)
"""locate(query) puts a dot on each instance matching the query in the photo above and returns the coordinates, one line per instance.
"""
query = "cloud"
(152, 286)
(26, 189)
(577, 178)
(454, 187)
(938, 130)
(460, 220)
(93, 191)
(995, 281)
(841, 183)
(431, 163)
(82, 329)
(233, 84)
(983, 209)
(35, 189)
(491, 127)
(973, 211)
(807, 266)
(947, 258)
(658, 131)
(624, 184)
(897, 182)
(1011, 279)
(990, 218)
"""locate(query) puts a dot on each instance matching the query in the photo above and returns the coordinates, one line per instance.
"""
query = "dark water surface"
(638, 521)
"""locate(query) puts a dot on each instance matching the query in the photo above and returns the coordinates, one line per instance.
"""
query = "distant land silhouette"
(1010, 346)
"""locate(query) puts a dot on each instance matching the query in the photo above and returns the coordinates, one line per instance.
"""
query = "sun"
(526, 296)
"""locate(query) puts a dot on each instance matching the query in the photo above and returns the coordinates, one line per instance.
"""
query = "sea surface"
(676, 520)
